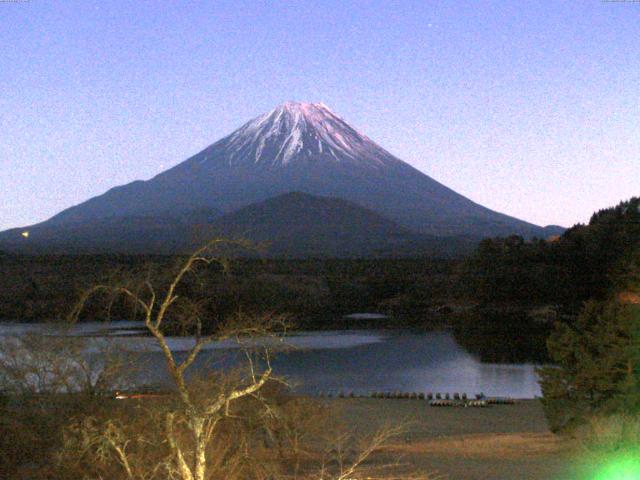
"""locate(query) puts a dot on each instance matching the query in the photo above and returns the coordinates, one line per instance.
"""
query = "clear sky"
(531, 108)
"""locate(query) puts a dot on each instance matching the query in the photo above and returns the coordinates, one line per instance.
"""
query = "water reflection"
(411, 362)
(359, 362)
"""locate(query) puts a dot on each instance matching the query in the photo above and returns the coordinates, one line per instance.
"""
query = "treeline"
(316, 293)
(43, 288)
(584, 263)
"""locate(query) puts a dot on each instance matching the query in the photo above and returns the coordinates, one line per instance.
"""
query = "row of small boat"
(436, 400)
(459, 403)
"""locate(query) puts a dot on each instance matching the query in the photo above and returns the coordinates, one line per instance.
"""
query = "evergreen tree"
(596, 364)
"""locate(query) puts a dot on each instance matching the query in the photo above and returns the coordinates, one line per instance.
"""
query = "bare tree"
(56, 363)
(347, 457)
(198, 414)
(191, 434)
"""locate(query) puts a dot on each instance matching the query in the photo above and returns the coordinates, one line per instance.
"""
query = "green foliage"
(609, 434)
(596, 365)
(610, 447)
(584, 263)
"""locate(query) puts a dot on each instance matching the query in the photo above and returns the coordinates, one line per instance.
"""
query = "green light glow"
(623, 467)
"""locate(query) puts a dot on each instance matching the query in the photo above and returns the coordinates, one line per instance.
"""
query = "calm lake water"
(334, 361)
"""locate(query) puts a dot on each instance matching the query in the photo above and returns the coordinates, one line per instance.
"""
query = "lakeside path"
(504, 442)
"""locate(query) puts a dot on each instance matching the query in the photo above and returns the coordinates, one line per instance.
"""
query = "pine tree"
(596, 364)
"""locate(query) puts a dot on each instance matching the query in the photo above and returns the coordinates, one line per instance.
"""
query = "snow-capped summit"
(300, 131)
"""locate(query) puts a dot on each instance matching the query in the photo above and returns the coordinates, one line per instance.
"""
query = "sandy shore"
(501, 442)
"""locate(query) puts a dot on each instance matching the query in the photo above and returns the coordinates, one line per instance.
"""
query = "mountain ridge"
(307, 148)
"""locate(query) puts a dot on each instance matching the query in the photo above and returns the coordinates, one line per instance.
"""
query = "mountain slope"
(307, 148)
(142, 234)
(289, 225)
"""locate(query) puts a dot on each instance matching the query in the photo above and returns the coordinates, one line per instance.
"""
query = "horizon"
(538, 98)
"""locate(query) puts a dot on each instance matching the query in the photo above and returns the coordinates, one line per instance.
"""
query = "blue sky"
(530, 108)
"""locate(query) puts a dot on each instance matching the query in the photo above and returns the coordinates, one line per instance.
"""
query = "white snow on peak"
(297, 130)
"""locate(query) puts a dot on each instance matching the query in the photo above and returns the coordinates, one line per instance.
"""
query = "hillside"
(162, 233)
(301, 225)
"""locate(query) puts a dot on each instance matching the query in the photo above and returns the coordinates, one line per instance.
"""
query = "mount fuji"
(296, 147)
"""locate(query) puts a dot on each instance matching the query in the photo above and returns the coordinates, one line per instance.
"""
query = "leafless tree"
(56, 363)
(199, 414)
(190, 434)
(347, 457)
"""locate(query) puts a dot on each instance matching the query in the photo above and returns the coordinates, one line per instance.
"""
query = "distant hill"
(290, 225)
(301, 225)
(296, 147)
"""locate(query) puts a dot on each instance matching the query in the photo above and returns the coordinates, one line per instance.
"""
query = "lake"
(360, 361)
